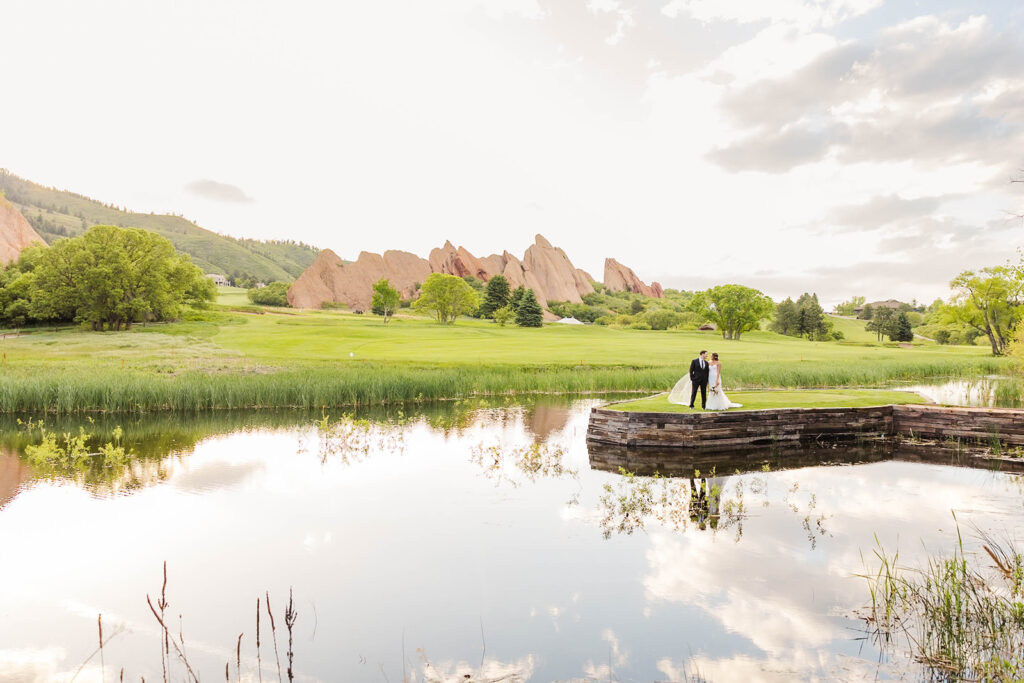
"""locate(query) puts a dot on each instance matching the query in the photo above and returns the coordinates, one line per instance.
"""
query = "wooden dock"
(709, 431)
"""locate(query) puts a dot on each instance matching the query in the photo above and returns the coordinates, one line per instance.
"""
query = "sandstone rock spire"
(15, 232)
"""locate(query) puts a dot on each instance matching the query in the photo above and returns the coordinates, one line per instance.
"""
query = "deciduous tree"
(446, 297)
(734, 308)
(385, 299)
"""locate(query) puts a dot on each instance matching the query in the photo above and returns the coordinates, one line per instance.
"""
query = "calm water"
(466, 540)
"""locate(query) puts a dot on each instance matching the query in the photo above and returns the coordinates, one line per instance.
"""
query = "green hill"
(58, 213)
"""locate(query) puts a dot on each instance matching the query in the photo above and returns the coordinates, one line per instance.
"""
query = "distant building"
(875, 305)
(218, 280)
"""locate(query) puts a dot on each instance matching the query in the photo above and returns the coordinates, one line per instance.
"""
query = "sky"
(844, 147)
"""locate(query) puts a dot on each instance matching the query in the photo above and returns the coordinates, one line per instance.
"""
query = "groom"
(699, 379)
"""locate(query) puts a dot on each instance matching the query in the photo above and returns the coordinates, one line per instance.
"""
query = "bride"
(680, 393)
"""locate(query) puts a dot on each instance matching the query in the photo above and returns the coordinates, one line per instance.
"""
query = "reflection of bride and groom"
(703, 375)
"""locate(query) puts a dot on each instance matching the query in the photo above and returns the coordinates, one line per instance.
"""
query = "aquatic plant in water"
(961, 621)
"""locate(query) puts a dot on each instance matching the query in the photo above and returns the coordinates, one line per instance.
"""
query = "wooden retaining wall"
(966, 424)
(727, 430)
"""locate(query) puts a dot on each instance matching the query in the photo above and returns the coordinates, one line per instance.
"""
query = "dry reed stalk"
(238, 659)
(290, 615)
(99, 625)
(165, 650)
(259, 660)
(169, 638)
(273, 632)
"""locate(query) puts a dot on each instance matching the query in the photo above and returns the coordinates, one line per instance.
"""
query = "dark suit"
(699, 380)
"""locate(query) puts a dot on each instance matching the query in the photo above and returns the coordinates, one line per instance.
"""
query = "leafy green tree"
(496, 296)
(847, 307)
(637, 306)
(385, 299)
(989, 301)
(529, 313)
(786, 320)
(503, 316)
(446, 297)
(882, 323)
(902, 331)
(734, 308)
(274, 294)
(867, 313)
(115, 276)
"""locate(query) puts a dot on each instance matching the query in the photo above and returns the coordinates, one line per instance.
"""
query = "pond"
(465, 541)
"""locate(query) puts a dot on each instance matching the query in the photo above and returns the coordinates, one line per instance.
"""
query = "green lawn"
(282, 357)
(765, 400)
(233, 296)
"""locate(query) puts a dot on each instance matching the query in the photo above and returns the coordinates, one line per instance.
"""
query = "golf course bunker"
(709, 431)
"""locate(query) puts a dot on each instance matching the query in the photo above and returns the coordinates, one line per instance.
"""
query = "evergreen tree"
(496, 296)
(517, 298)
(529, 313)
(785, 321)
(811, 316)
(902, 332)
(867, 313)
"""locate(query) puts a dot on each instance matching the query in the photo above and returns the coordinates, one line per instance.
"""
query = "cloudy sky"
(840, 146)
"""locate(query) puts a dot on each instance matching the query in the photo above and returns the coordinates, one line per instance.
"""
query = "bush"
(943, 336)
(640, 325)
(274, 294)
(661, 319)
(503, 316)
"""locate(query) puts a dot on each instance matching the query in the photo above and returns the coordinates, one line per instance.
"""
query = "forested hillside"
(58, 213)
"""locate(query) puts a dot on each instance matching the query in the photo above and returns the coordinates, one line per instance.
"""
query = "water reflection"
(479, 540)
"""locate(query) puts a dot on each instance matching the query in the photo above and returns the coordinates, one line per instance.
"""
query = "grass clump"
(960, 621)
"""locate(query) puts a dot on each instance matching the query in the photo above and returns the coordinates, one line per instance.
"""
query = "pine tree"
(517, 297)
(529, 313)
(495, 296)
(902, 332)
(785, 321)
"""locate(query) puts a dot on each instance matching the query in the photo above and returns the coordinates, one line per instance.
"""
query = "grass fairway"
(233, 296)
(267, 357)
(766, 400)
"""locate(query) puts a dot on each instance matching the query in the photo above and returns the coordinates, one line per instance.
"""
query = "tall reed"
(104, 389)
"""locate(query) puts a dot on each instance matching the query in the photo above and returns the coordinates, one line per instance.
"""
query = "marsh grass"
(97, 387)
(961, 621)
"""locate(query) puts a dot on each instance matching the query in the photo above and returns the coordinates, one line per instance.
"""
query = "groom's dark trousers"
(699, 380)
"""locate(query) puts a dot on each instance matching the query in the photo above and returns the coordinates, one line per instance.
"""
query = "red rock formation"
(544, 268)
(460, 262)
(619, 278)
(329, 279)
(15, 232)
(551, 275)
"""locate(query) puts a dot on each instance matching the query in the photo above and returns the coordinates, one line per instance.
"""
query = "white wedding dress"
(717, 400)
(680, 394)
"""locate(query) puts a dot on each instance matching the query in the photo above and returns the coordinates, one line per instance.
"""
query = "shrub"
(274, 294)
(661, 319)
(639, 325)
(503, 316)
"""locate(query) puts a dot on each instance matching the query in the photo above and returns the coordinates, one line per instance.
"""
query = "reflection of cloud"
(32, 665)
(216, 475)
(491, 671)
(221, 192)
